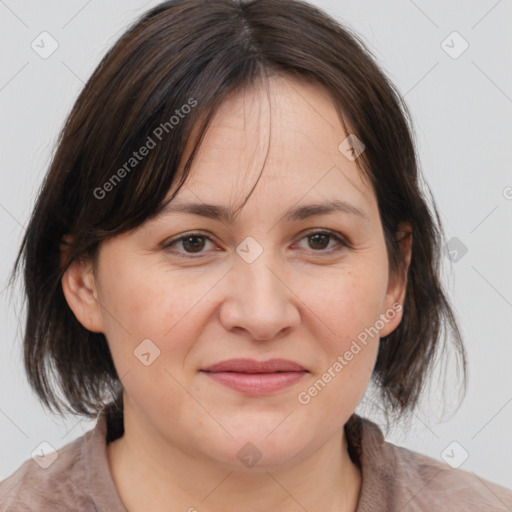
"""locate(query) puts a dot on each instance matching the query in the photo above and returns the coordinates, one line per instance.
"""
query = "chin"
(257, 453)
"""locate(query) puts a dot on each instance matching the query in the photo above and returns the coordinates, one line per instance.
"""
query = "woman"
(230, 243)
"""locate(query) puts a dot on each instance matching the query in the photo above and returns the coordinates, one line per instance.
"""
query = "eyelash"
(343, 244)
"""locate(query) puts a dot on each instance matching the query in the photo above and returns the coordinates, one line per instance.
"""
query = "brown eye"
(193, 243)
(319, 242)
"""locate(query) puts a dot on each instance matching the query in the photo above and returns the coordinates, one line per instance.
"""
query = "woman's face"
(311, 288)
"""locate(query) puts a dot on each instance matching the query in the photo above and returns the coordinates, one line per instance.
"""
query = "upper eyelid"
(342, 239)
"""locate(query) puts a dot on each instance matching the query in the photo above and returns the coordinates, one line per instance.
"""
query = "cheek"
(151, 302)
(350, 346)
(148, 303)
(345, 310)
(347, 301)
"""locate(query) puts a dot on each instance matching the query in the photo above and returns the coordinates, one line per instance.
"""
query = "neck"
(149, 472)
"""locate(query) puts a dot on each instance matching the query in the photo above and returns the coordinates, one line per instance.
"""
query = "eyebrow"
(226, 214)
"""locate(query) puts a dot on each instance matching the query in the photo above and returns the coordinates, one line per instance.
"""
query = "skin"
(300, 300)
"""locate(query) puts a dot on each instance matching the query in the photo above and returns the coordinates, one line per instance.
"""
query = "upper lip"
(253, 366)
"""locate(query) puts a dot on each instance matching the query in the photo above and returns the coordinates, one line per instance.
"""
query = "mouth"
(253, 377)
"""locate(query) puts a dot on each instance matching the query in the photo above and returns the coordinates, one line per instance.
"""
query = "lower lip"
(256, 383)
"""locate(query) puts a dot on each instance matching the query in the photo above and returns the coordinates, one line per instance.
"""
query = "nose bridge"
(260, 277)
(256, 270)
(259, 300)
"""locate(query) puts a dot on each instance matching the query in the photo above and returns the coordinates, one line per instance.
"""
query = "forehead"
(289, 131)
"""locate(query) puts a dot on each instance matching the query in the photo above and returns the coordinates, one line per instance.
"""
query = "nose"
(259, 300)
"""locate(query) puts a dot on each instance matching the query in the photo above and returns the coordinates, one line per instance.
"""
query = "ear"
(397, 284)
(79, 287)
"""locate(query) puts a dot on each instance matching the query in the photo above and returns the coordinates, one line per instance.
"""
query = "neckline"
(365, 443)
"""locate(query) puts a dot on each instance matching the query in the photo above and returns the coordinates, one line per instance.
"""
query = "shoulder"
(414, 482)
(427, 482)
(48, 483)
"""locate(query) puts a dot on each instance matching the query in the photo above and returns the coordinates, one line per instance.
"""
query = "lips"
(252, 377)
(253, 366)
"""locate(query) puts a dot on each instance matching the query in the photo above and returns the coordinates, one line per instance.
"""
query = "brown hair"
(167, 75)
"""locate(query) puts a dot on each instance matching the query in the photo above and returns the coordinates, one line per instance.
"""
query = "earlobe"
(79, 288)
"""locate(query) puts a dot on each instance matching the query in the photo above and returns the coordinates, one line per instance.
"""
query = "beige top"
(394, 479)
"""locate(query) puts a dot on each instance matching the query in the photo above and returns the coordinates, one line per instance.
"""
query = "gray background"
(462, 108)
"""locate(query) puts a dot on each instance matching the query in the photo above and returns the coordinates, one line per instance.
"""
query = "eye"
(319, 240)
(194, 243)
